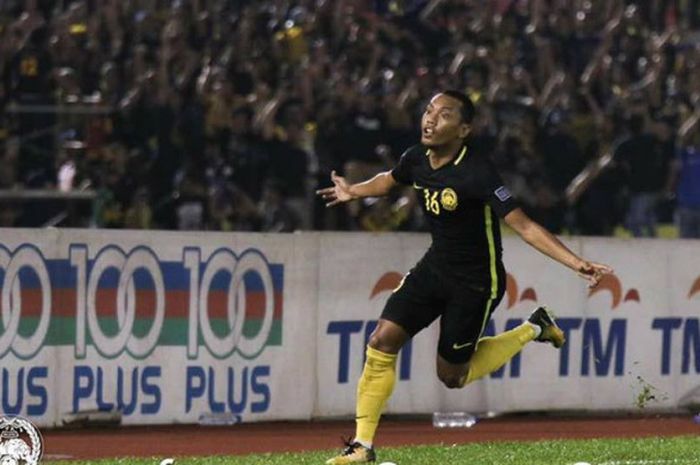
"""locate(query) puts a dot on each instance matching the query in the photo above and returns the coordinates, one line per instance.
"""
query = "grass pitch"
(684, 450)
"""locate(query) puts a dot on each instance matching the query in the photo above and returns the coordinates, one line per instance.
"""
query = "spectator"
(191, 197)
(640, 158)
(246, 154)
(562, 161)
(684, 180)
(289, 162)
(276, 214)
(139, 215)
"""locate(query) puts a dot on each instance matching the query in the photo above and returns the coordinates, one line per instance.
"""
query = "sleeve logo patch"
(502, 193)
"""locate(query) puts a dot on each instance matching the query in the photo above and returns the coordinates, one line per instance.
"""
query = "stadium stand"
(227, 114)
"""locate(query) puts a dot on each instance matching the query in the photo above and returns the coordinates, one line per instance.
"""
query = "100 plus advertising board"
(161, 327)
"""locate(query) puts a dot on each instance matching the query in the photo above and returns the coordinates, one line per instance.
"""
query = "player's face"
(442, 122)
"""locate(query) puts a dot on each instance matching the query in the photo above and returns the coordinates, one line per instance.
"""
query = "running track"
(189, 440)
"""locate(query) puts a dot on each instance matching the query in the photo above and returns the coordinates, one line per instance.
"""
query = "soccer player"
(461, 278)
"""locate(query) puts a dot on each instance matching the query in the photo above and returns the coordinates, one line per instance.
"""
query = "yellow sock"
(493, 352)
(374, 389)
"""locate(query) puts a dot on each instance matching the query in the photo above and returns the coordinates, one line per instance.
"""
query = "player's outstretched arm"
(548, 244)
(341, 191)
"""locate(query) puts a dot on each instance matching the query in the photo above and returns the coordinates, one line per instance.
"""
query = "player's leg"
(373, 390)
(492, 353)
(410, 308)
(378, 378)
(406, 313)
(464, 356)
(461, 325)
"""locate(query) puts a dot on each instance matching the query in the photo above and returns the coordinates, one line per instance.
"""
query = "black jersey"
(462, 201)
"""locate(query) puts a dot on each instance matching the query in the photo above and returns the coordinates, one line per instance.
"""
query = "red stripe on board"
(63, 303)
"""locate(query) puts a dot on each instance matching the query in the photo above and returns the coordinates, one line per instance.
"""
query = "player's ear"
(464, 130)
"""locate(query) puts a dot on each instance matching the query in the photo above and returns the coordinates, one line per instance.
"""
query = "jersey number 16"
(431, 201)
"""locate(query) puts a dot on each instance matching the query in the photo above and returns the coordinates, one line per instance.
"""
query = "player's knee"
(451, 380)
(387, 337)
(382, 343)
(452, 376)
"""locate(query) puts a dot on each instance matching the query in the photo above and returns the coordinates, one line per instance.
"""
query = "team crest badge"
(20, 442)
(448, 199)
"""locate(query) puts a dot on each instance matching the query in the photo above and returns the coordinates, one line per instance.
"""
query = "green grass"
(649, 451)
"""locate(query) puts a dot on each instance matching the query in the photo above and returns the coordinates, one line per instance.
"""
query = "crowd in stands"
(228, 114)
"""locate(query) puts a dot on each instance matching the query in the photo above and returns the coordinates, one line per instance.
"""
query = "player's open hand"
(593, 272)
(340, 192)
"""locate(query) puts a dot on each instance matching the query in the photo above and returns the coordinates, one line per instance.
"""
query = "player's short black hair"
(468, 109)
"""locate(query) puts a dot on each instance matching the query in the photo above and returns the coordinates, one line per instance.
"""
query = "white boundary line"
(648, 462)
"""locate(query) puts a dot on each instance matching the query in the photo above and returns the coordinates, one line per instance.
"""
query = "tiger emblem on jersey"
(448, 199)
